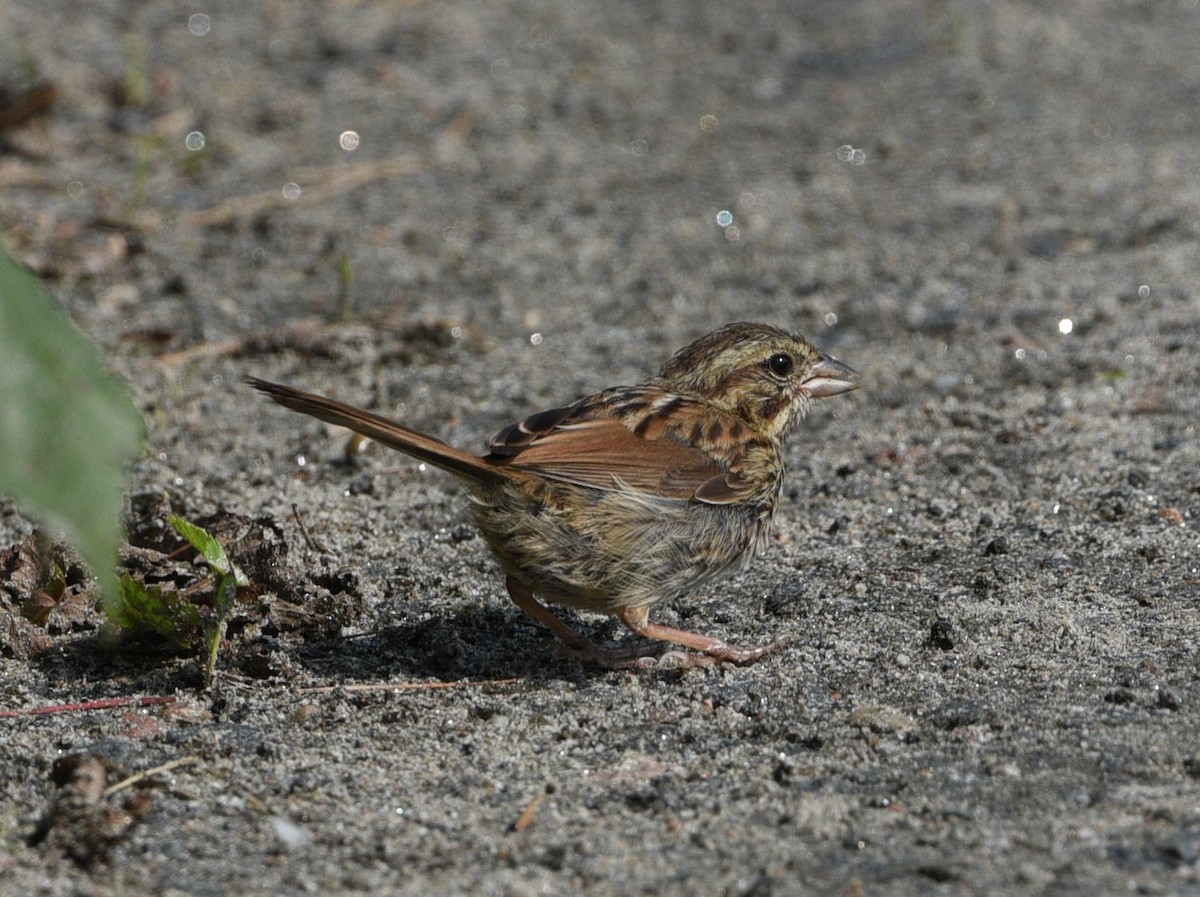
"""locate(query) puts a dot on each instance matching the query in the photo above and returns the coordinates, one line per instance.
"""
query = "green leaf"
(210, 549)
(139, 606)
(67, 427)
(214, 631)
(229, 580)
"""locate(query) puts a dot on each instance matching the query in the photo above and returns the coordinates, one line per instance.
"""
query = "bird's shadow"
(469, 643)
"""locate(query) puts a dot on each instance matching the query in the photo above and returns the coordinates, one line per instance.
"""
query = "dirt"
(987, 556)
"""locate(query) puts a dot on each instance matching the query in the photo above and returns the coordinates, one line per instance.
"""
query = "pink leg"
(714, 650)
(609, 658)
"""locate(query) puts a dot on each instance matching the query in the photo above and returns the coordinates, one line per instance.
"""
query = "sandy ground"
(988, 556)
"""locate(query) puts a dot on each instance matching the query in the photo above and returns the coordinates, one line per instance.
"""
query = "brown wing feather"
(515, 438)
(640, 438)
(606, 454)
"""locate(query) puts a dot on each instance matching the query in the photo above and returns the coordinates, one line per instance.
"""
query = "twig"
(312, 543)
(526, 818)
(301, 334)
(336, 181)
(231, 346)
(404, 686)
(145, 774)
(102, 704)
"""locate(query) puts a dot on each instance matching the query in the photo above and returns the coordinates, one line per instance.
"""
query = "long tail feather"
(382, 430)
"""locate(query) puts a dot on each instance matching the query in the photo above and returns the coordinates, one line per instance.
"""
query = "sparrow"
(636, 494)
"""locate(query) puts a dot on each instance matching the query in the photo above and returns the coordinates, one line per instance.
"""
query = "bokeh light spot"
(199, 24)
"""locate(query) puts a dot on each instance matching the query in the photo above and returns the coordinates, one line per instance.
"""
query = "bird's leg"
(714, 650)
(609, 658)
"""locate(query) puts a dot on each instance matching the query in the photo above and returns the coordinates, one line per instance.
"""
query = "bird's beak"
(829, 377)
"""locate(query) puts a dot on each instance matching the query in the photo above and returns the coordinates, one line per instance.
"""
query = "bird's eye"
(780, 364)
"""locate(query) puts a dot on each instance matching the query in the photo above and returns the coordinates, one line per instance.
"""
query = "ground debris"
(82, 822)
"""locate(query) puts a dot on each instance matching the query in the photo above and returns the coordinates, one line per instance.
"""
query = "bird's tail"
(382, 430)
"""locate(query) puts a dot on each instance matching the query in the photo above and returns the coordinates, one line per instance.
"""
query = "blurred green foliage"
(68, 428)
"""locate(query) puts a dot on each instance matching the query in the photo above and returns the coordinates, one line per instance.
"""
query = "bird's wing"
(624, 442)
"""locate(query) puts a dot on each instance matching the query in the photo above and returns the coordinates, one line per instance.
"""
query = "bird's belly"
(603, 550)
